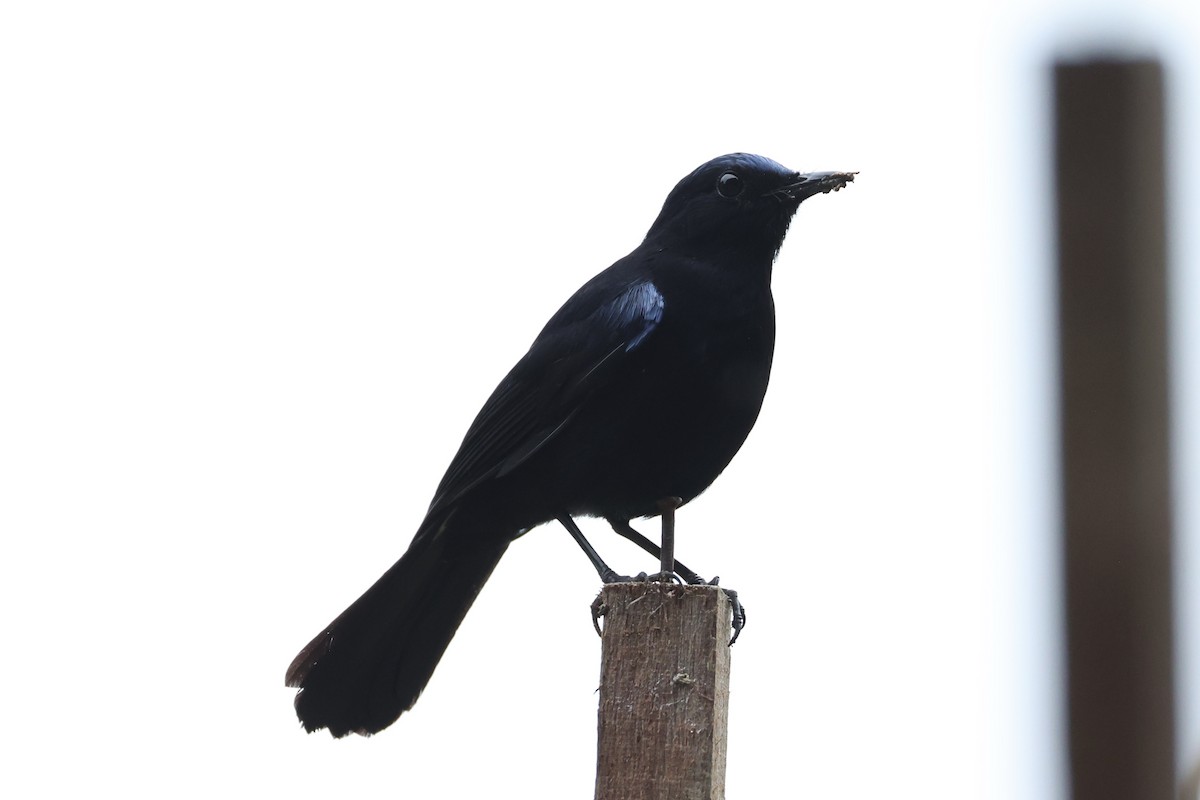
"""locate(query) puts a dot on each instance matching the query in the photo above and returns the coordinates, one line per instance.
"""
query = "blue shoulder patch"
(639, 309)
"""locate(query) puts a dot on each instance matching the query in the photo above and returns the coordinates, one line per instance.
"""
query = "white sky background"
(262, 263)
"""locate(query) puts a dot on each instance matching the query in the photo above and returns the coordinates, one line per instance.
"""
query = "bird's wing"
(576, 352)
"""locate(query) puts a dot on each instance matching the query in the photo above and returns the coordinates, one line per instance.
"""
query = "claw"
(599, 609)
(739, 613)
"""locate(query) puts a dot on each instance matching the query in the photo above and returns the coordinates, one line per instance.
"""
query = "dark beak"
(808, 184)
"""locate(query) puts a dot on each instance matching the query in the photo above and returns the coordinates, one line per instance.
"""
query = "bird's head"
(737, 202)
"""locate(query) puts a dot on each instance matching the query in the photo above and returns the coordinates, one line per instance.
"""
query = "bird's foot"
(611, 576)
(739, 612)
(599, 609)
(692, 578)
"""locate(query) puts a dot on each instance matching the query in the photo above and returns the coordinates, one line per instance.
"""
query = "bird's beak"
(808, 184)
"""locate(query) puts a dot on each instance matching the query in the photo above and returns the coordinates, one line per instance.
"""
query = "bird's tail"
(370, 664)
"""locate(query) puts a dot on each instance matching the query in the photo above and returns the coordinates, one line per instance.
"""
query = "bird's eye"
(729, 185)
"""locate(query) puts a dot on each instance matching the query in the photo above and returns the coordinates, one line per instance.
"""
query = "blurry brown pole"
(1112, 302)
(664, 692)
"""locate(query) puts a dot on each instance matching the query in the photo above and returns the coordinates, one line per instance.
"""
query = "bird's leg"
(625, 529)
(739, 611)
(666, 555)
(607, 573)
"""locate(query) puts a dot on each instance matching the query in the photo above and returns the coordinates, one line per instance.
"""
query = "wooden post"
(1116, 483)
(664, 692)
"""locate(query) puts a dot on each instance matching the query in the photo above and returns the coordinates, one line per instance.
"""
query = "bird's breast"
(676, 419)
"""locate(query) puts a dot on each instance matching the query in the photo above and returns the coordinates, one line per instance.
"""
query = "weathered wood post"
(664, 692)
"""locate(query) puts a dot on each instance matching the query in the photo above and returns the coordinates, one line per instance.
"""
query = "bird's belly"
(666, 432)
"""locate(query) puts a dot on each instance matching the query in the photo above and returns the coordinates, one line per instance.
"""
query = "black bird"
(631, 401)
